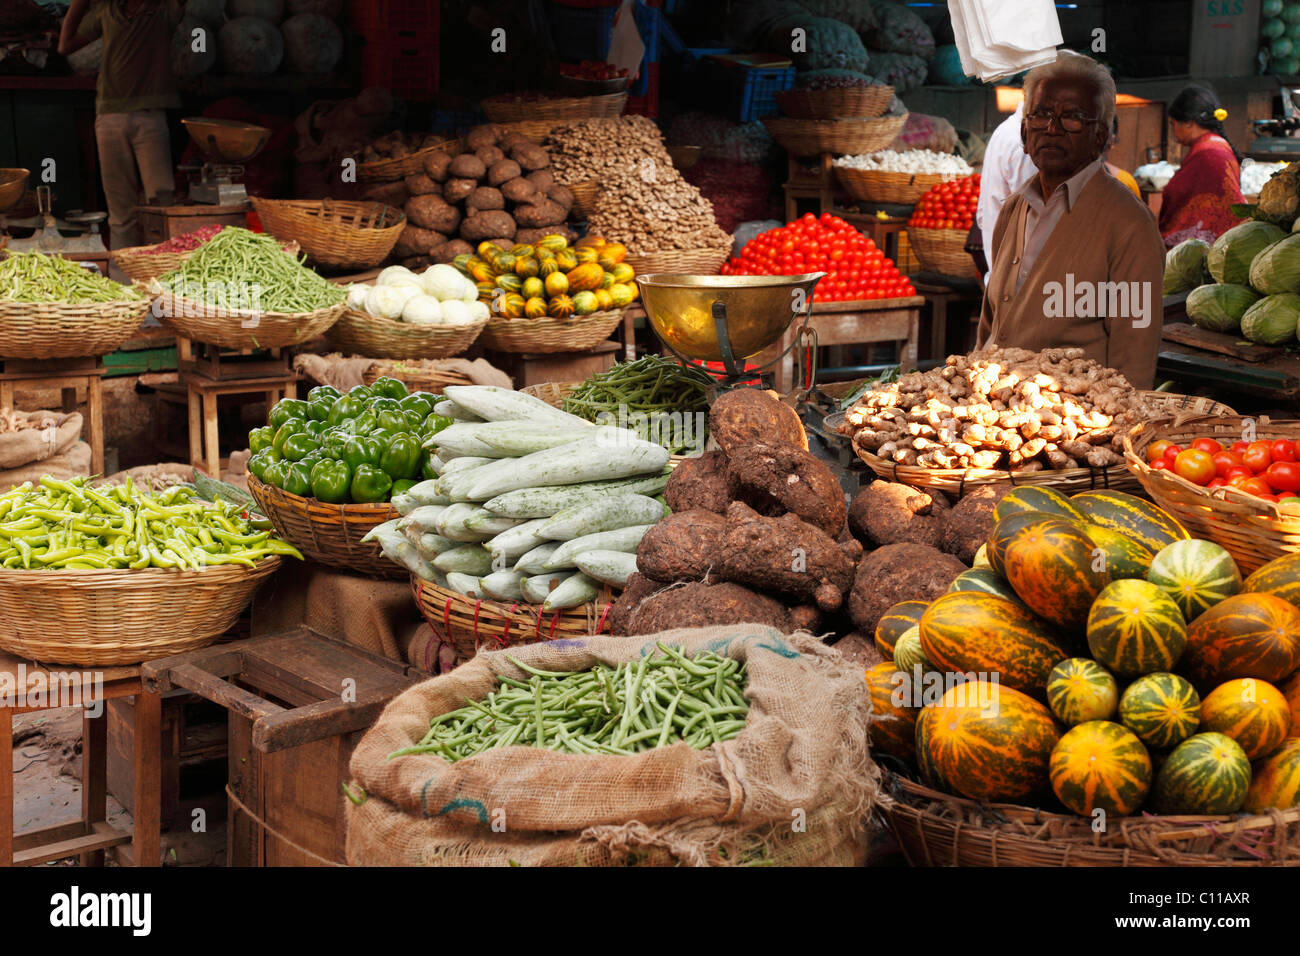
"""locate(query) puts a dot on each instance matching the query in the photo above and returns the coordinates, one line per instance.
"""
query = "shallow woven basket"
(328, 534)
(700, 262)
(534, 129)
(943, 251)
(504, 108)
(49, 330)
(388, 170)
(584, 197)
(962, 481)
(272, 329)
(140, 264)
(415, 377)
(938, 829)
(874, 185)
(344, 235)
(812, 137)
(543, 336)
(359, 333)
(111, 618)
(865, 101)
(471, 623)
(1254, 531)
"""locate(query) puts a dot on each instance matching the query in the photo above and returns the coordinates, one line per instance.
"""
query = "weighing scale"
(1275, 139)
(48, 229)
(227, 144)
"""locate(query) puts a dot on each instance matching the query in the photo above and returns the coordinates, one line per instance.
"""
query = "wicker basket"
(1254, 531)
(328, 534)
(49, 330)
(584, 198)
(416, 376)
(938, 829)
(812, 137)
(543, 336)
(943, 251)
(535, 129)
(358, 333)
(506, 109)
(862, 101)
(343, 235)
(874, 185)
(962, 481)
(471, 623)
(111, 618)
(390, 170)
(699, 262)
(141, 265)
(266, 330)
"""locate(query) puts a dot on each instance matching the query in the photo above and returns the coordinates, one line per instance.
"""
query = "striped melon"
(981, 559)
(1196, 574)
(1080, 690)
(1052, 565)
(986, 580)
(1205, 774)
(895, 622)
(1149, 525)
(1275, 780)
(893, 721)
(1291, 691)
(1002, 533)
(1125, 557)
(1252, 712)
(969, 631)
(985, 741)
(908, 654)
(1280, 578)
(1134, 628)
(1100, 765)
(1162, 709)
(1246, 635)
(1036, 498)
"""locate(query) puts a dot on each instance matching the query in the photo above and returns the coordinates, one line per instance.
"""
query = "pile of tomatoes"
(948, 205)
(855, 268)
(1265, 469)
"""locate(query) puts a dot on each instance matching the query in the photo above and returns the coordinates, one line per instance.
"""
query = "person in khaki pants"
(135, 90)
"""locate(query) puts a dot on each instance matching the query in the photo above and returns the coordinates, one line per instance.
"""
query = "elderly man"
(1077, 258)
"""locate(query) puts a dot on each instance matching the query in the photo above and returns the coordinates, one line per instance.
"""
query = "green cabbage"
(1219, 308)
(1185, 266)
(1277, 268)
(1230, 256)
(1272, 320)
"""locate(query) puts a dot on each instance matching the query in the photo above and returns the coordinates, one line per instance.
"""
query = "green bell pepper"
(260, 460)
(275, 472)
(392, 419)
(388, 387)
(319, 403)
(332, 440)
(346, 406)
(330, 479)
(370, 484)
(426, 464)
(316, 427)
(294, 426)
(421, 402)
(362, 391)
(297, 481)
(311, 458)
(286, 409)
(382, 403)
(362, 450)
(260, 438)
(299, 445)
(401, 457)
(401, 487)
(433, 424)
(414, 421)
(366, 422)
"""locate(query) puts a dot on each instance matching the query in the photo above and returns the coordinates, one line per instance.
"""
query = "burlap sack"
(796, 787)
(75, 461)
(344, 372)
(36, 444)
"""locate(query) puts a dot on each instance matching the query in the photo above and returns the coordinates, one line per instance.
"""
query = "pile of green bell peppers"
(362, 446)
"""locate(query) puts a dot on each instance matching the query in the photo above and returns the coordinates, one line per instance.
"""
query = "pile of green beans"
(649, 385)
(659, 700)
(36, 277)
(225, 271)
(70, 525)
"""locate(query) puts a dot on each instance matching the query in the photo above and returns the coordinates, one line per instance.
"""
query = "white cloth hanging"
(1000, 38)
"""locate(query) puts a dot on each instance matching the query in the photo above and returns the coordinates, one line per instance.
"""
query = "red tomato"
(1239, 446)
(1194, 465)
(1237, 473)
(1224, 460)
(1266, 497)
(1257, 456)
(1256, 486)
(1217, 483)
(1207, 444)
(1283, 475)
(1282, 450)
(1157, 449)
(1161, 464)
(1171, 452)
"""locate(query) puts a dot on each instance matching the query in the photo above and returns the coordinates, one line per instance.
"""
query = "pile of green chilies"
(649, 385)
(239, 269)
(653, 702)
(36, 277)
(69, 525)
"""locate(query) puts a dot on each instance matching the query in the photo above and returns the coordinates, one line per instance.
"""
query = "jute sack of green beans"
(795, 786)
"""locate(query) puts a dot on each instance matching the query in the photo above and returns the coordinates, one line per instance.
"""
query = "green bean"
(36, 277)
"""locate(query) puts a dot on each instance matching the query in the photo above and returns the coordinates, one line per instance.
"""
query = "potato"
(455, 190)
(435, 166)
(543, 213)
(519, 189)
(502, 171)
(487, 155)
(512, 138)
(454, 248)
(479, 136)
(532, 235)
(394, 194)
(418, 184)
(488, 225)
(432, 212)
(467, 166)
(399, 151)
(417, 241)
(561, 196)
(541, 178)
(530, 156)
(485, 197)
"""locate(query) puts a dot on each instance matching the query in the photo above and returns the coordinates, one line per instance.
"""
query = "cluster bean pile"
(659, 700)
(651, 385)
(36, 277)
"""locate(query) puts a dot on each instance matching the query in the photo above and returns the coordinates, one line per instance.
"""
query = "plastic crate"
(394, 14)
(745, 92)
(583, 33)
(401, 61)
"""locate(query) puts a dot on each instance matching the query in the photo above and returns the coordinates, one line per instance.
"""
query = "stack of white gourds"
(438, 296)
(531, 504)
(909, 161)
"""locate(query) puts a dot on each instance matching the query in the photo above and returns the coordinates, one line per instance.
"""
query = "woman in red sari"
(1196, 201)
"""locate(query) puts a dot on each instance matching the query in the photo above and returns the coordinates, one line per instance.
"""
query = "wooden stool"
(67, 375)
(204, 395)
(90, 835)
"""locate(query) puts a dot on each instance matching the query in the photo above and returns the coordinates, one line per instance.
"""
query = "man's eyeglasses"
(1071, 121)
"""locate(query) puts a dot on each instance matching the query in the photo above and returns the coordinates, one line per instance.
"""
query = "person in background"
(1122, 175)
(1196, 201)
(1077, 259)
(1006, 168)
(134, 92)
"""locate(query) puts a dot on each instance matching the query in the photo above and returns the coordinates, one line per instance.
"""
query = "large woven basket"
(416, 375)
(264, 330)
(359, 333)
(471, 623)
(50, 330)
(962, 481)
(812, 137)
(506, 109)
(863, 101)
(943, 251)
(875, 185)
(1253, 530)
(534, 129)
(328, 534)
(938, 829)
(543, 336)
(344, 235)
(584, 197)
(111, 618)
(141, 265)
(700, 262)
(389, 170)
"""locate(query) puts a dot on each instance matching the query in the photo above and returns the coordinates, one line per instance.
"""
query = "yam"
(532, 235)
(467, 166)
(488, 225)
(436, 165)
(704, 605)
(530, 156)
(480, 136)
(774, 479)
(561, 196)
(745, 416)
(489, 155)
(534, 214)
(638, 588)
(455, 190)
(432, 212)
(454, 248)
(518, 189)
(542, 179)
(418, 184)
(968, 524)
(484, 198)
(786, 555)
(512, 138)
(416, 241)
(887, 512)
(898, 572)
(699, 482)
(683, 546)
(503, 171)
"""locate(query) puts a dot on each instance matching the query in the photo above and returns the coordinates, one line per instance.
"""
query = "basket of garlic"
(409, 315)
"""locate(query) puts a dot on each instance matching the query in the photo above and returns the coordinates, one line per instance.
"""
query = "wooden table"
(204, 395)
(1213, 358)
(67, 375)
(159, 223)
(89, 835)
